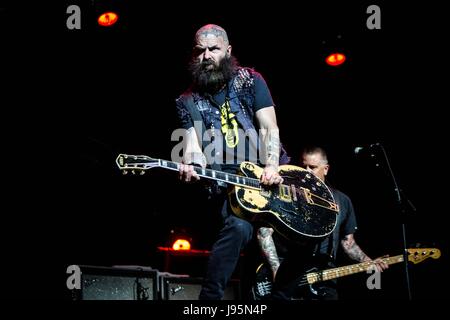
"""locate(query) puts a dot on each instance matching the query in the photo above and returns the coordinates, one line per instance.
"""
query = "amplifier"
(118, 283)
(187, 288)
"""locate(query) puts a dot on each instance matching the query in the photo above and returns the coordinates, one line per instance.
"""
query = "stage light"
(181, 244)
(335, 59)
(107, 19)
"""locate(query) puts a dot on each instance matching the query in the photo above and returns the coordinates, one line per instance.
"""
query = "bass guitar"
(262, 288)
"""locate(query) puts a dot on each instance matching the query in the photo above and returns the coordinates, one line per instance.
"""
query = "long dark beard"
(211, 81)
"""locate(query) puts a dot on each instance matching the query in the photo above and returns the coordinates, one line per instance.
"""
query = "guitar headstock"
(135, 164)
(417, 255)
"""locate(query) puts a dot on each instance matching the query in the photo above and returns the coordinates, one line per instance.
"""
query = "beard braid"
(211, 81)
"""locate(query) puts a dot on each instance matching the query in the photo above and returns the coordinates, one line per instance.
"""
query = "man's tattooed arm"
(272, 142)
(270, 135)
(267, 245)
(193, 153)
(352, 249)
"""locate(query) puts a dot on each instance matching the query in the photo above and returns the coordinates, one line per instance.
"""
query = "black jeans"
(234, 235)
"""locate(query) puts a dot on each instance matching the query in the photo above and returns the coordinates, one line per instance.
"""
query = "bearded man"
(231, 103)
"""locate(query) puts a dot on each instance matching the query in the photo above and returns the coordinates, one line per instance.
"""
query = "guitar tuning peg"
(142, 172)
(124, 172)
(133, 172)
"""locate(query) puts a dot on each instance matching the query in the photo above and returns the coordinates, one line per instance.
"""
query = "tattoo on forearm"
(352, 249)
(272, 148)
(268, 248)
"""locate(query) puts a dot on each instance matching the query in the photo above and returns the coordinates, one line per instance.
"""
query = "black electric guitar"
(262, 288)
(302, 207)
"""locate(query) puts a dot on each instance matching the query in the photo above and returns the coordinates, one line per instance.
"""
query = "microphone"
(360, 149)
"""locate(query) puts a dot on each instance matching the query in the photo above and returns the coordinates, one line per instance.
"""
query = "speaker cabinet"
(186, 288)
(116, 283)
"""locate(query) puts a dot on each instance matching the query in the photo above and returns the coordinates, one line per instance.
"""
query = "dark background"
(74, 99)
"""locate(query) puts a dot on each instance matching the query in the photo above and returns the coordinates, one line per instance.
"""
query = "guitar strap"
(196, 116)
(330, 253)
(330, 248)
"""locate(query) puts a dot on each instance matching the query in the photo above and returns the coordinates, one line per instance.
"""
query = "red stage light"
(335, 59)
(107, 19)
(181, 244)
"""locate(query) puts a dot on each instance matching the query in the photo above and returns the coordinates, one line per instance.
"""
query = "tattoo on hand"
(195, 158)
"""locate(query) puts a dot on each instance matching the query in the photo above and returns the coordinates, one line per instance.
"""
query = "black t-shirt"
(346, 224)
(263, 97)
(233, 156)
(247, 147)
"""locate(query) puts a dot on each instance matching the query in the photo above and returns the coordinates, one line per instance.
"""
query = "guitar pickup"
(285, 193)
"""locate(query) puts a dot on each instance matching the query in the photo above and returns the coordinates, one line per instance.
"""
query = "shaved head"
(211, 29)
(212, 64)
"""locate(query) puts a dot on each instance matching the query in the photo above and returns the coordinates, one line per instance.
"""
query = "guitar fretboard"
(334, 273)
(215, 175)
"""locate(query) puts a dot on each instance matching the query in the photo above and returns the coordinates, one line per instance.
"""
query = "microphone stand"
(402, 207)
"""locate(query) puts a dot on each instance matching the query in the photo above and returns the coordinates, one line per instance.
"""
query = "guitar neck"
(334, 273)
(216, 175)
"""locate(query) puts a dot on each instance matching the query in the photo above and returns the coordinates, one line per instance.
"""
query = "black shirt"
(247, 147)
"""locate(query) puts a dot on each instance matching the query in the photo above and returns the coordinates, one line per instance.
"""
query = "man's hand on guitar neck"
(352, 249)
(271, 176)
(186, 170)
(378, 263)
(187, 173)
